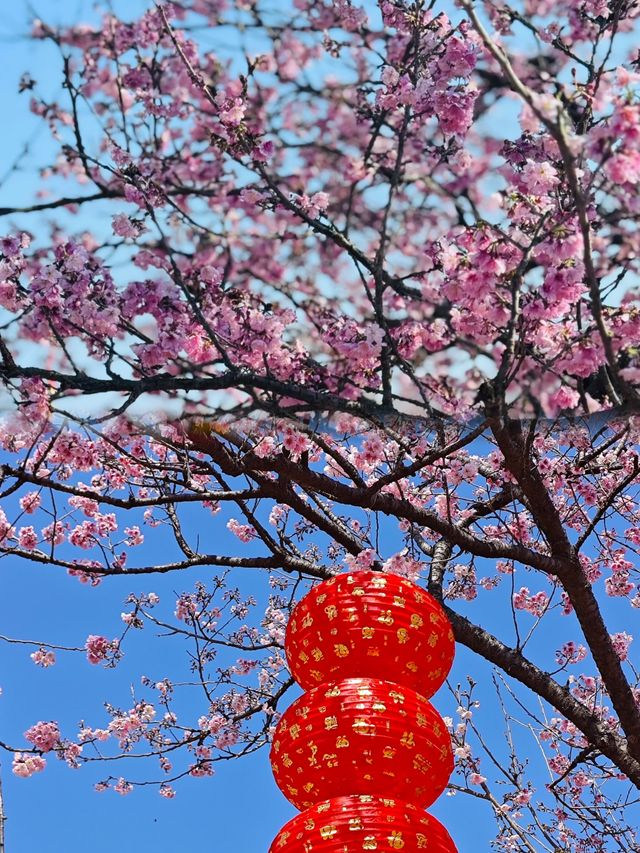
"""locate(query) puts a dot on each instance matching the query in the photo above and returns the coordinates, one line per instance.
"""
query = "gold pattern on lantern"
(316, 654)
(309, 824)
(416, 620)
(398, 698)
(342, 742)
(388, 752)
(395, 841)
(327, 832)
(408, 740)
(379, 583)
(420, 763)
(355, 823)
(307, 621)
(294, 731)
(361, 726)
(422, 841)
(367, 633)
(358, 591)
(380, 707)
(330, 759)
(402, 635)
(331, 611)
(399, 600)
(369, 843)
(330, 723)
(332, 692)
(385, 617)
(341, 650)
(314, 751)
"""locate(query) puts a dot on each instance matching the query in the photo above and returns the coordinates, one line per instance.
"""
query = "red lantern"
(370, 625)
(358, 823)
(361, 736)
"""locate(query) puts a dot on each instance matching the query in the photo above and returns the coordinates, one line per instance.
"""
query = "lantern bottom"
(359, 823)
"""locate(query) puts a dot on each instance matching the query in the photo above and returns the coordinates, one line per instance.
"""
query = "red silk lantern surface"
(357, 823)
(370, 625)
(361, 736)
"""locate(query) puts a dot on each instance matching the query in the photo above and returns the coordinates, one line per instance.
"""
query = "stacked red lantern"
(364, 751)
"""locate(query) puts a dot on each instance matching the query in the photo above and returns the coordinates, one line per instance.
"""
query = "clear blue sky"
(57, 811)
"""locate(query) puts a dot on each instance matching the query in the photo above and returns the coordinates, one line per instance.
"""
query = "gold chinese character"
(327, 832)
(363, 727)
(408, 740)
(402, 635)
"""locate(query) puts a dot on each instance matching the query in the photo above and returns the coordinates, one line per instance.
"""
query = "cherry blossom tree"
(360, 289)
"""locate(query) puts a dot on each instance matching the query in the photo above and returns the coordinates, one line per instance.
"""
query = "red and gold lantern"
(361, 736)
(364, 751)
(370, 625)
(363, 823)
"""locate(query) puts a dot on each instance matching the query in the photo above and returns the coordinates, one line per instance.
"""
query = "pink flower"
(98, 648)
(295, 442)
(43, 657)
(244, 532)
(562, 399)
(621, 642)
(25, 765)
(570, 653)
(123, 787)
(27, 538)
(534, 604)
(404, 565)
(134, 536)
(44, 736)
(539, 178)
(30, 502)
